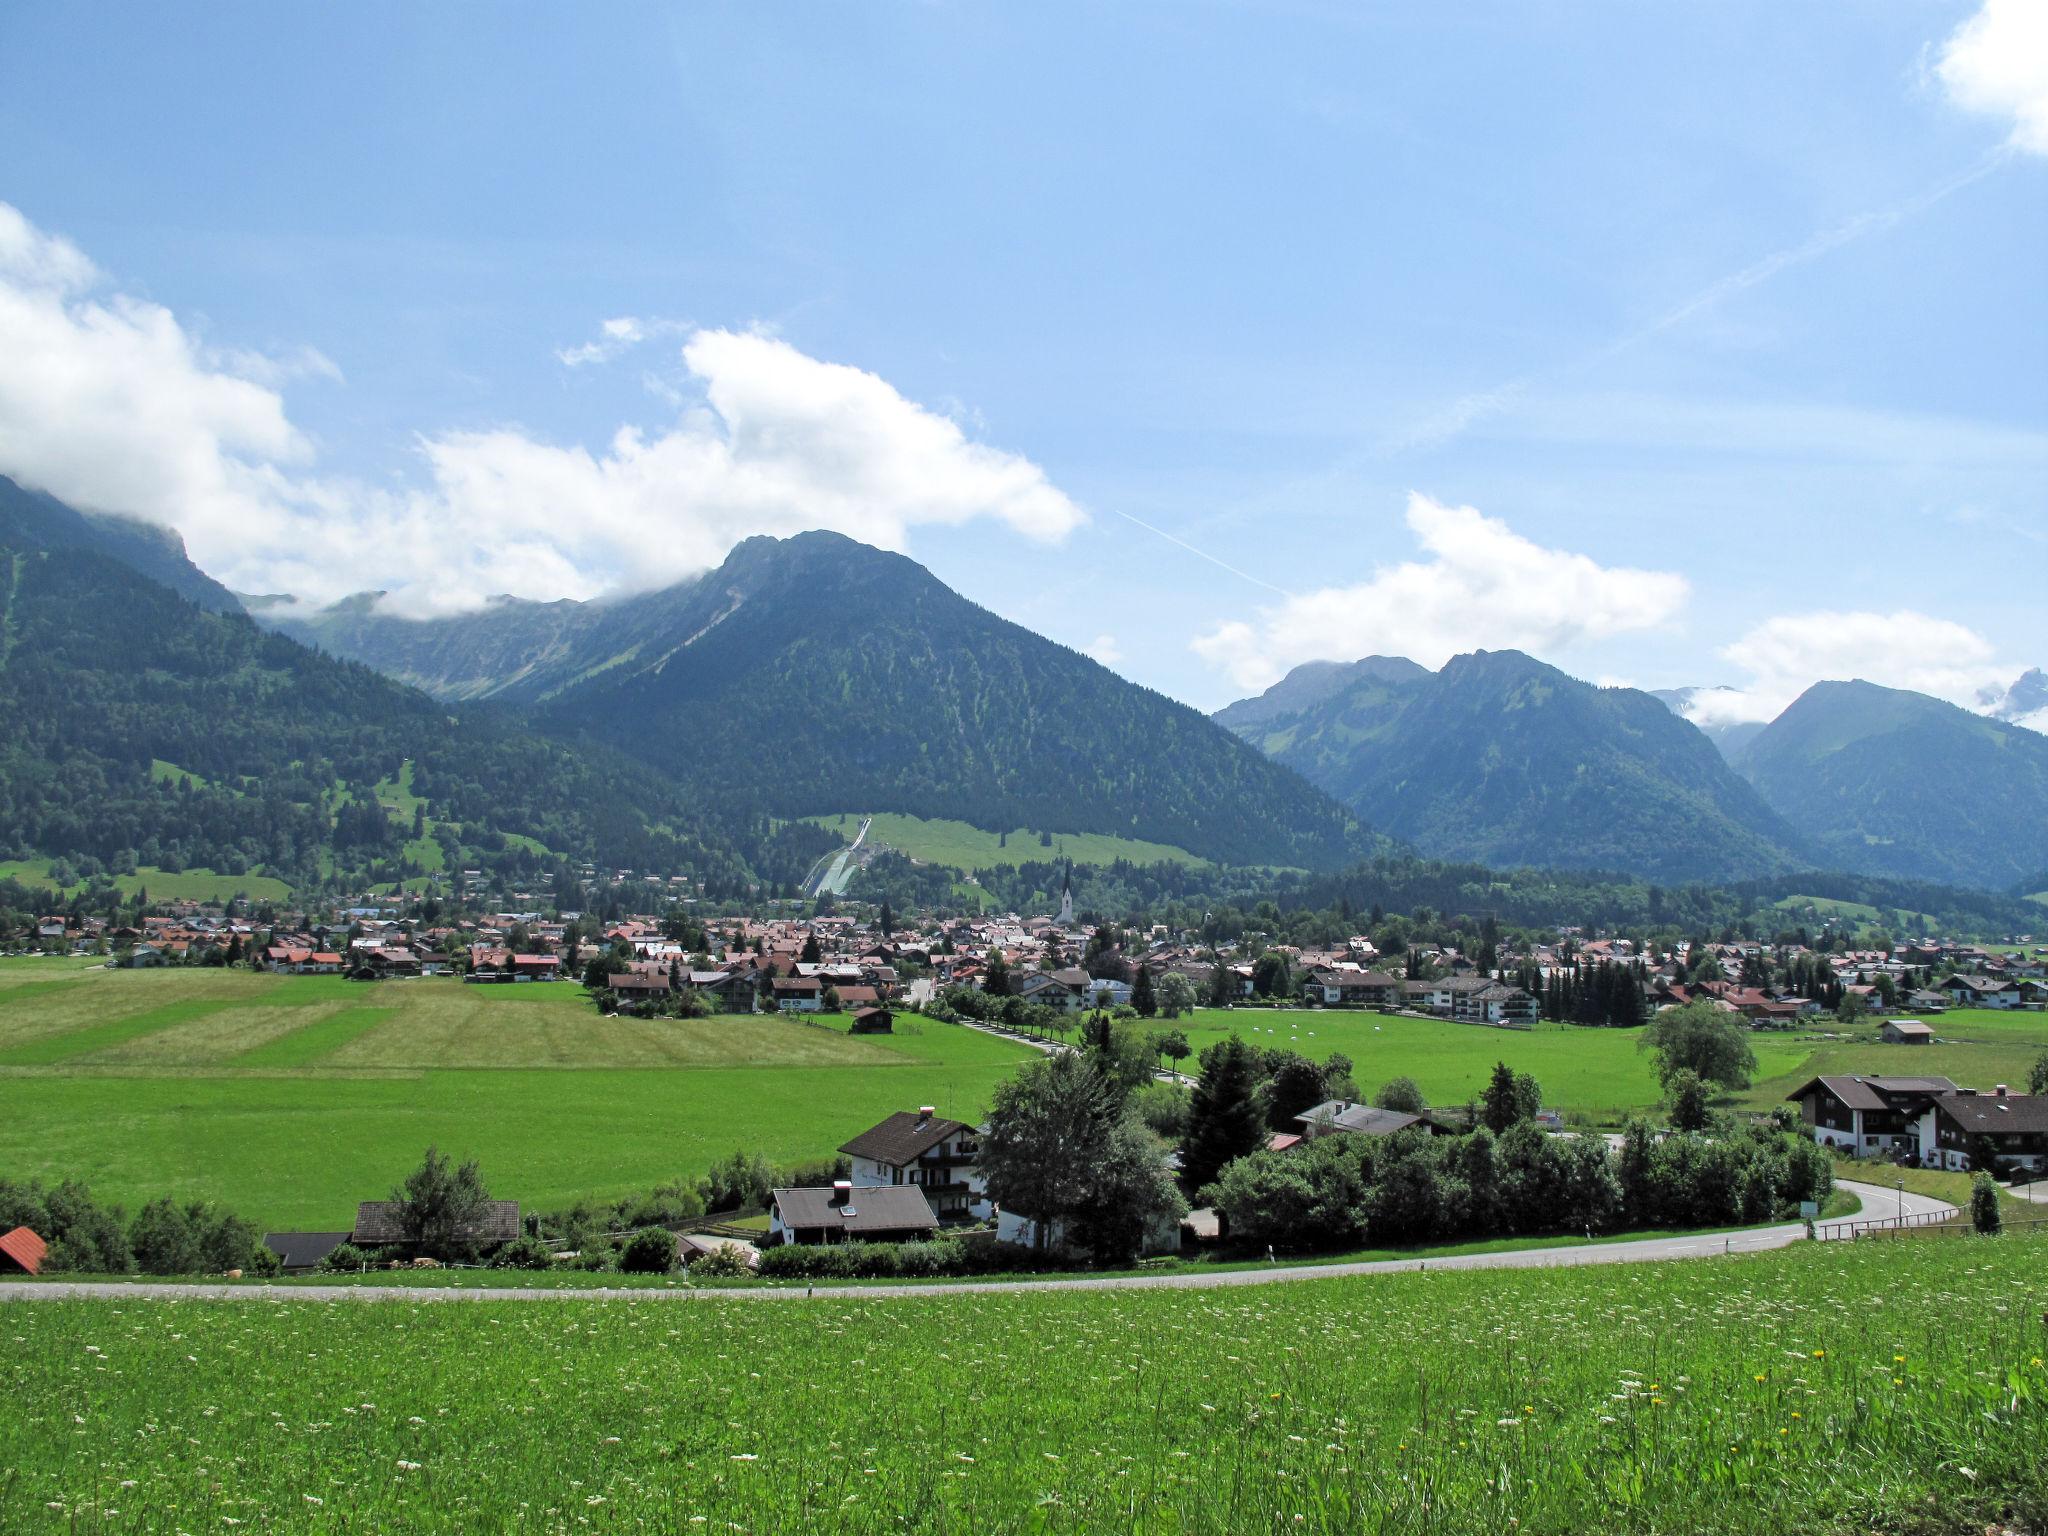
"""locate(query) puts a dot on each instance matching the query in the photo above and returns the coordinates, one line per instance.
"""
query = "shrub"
(262, 1260)
(725, 1262)
(523, 1253)
(650, 1251)
(1984, 1213)
(347, 1259)
(163, 1240)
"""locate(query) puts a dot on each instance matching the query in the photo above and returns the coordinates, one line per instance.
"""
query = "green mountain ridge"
(1889, 782)
(1501, 759)
(106, 671)
(812, 673)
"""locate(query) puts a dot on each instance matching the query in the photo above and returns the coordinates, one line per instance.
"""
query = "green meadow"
(1826, 1388)
(162, 885)
(963, 846)
(292, 1098)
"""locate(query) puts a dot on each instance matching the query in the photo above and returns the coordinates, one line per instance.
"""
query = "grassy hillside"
(956, 843)
(1738, 1396)
(162, 885)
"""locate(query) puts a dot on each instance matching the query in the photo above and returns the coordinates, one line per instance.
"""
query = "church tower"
(1067, 896)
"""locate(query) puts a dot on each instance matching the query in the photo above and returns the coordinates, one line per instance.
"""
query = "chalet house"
(1342, 1115)
(1065, 989)
(873, 1021)
(638, 987)
(1348, 984)
(846, 1214)
(377, 1225)
(1923, 1000)
(1868, 1116)
(1108, 992)
(1905, 1032)
(1428, 996)
(922, 1149)
(1496, 1003)
(536, 968)
(1981, 992)
(799, 994)
(2003, 1128)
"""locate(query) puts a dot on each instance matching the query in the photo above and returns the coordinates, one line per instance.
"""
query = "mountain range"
(1504, 760)
(694, 726)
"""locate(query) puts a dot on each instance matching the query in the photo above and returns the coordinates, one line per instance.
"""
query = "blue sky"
(1677, 344)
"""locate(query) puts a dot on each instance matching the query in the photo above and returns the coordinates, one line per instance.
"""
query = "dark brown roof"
(303, 1250)
(868, 1210)
(1986, 1114)
(902, 1138)
(377, 1222)
(1874, 1092)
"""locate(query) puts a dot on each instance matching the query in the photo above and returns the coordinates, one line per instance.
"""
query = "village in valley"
(1064, 984)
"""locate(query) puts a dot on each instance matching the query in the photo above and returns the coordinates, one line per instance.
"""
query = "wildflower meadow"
(1894, 1386)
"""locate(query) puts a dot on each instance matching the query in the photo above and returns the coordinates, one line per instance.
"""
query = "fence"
(1845, 1231)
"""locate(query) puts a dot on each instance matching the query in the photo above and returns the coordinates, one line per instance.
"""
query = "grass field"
(185, 885)
(291, 1098)
(1600, 1072)
(968, 847)
(1728, 1395)
(1596, 1072)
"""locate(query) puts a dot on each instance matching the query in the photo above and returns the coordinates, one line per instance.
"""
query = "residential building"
(846, 1213)
(927, 1151)
(1868, 1116)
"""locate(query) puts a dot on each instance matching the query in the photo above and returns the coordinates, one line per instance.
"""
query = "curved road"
(1877, 1203)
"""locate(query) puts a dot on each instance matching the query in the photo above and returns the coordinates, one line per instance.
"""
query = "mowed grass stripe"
(22, 991)
(76, 1043)
(308, 1043)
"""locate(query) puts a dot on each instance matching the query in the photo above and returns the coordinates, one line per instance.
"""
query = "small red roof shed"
(21, 1249)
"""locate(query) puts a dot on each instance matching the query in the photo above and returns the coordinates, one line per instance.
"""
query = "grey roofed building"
(1363, 1119)
(303, 1250)
(869, 1213)
(377, 1222)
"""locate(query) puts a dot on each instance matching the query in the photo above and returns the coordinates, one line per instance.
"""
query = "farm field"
(1734, 1395)
(292, 1098)
(964, 846)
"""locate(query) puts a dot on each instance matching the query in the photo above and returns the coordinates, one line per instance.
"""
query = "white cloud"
(1485, 587)
(108, 403)
(618, 336)
(1996, 65)
(1786, 655)
(1105, 650)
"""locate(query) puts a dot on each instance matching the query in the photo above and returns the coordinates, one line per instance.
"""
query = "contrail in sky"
(1449, 422)
(1202, 553)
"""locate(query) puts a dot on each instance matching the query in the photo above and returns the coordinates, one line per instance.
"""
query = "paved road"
(1634, 1251)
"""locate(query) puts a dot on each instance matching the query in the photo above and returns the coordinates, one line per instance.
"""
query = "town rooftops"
(377, 1222)
(23, 1250)
(876, 1208)
(902, 1138)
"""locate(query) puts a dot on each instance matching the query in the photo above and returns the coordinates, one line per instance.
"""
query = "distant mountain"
(817, 674)
(1501, 759)
(1895, 783)
(1315, 683)
(1731, 736)
(512, 649)
(2025, 703)
(144, 728)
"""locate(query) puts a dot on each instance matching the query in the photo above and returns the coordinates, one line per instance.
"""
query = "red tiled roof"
(25, 1249)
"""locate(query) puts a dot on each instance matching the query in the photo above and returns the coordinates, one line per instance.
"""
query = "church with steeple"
(1066, 918)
